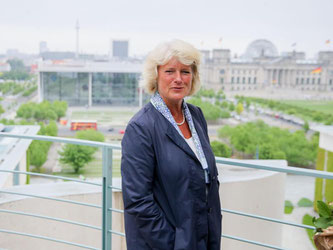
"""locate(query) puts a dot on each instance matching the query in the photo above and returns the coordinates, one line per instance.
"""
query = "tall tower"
(77, 39)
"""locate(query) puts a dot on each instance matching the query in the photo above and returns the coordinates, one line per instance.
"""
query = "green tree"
(1, 110)
(60, 108)
(224, 104)
(306, 126)
(247, 102)
(239, 108)
(26, 110)
(38, 153)
(43, 111)
(90, 135)
(78, 156)
(268, 151)
(39, 149)
(16, 64)
(273, 143)
(51, 129)
(231, 107)
(210, 111)
(220, 149)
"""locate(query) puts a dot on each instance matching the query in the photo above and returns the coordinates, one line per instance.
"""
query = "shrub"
(220, 149)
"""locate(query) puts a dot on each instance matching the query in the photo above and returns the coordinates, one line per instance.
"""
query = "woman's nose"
(178, 76)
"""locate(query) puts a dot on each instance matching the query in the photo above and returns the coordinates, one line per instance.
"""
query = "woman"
(169, 175)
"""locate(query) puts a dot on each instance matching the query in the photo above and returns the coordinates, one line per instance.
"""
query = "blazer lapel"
(173, 134)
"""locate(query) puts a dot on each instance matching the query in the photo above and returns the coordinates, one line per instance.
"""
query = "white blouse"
(190, 142)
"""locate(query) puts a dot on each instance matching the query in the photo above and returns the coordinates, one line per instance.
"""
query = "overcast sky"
(308, 23)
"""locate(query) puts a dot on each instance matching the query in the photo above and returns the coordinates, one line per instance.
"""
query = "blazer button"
(209, 210)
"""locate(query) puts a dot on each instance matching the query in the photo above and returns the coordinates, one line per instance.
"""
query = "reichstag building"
(261, 67)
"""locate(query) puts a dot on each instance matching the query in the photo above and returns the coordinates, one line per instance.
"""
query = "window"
(318, 81)
(297, 81)
(313, 81)
(255, 80)
(307, 80)
(243, 80)
(222, 71)
(238, 79)
(249, 80)
(232, 79)
(302, 80)
(331, 81)
(222, 80)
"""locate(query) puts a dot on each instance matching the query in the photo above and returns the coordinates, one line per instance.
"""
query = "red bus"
(83, 125)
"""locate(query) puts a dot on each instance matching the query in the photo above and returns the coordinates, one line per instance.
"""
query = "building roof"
(90, 66)
(13, 149)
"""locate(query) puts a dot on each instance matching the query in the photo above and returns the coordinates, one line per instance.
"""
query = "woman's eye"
(168, 71)
(186, 72)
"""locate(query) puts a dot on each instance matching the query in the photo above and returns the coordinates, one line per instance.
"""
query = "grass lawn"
(104, 117)
(323, 106)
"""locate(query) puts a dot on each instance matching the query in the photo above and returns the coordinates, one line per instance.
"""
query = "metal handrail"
(61, 140)
(50, 198)
(48, 238)
(49, 218)
(289, 169)
(51, 176)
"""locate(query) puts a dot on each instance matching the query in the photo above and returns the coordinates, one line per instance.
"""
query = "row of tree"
(211, 112)
(38, 150)
(16, 88)
(43, 111)
(29, 91)
(267, 142)
(302, 112)
(17, 72)
(210, 93)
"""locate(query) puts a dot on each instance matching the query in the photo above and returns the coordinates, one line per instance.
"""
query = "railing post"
(107, 198)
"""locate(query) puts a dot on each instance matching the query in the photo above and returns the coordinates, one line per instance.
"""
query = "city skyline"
(300, 25)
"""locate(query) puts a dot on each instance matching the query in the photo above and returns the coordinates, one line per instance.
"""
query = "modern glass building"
(90, 83)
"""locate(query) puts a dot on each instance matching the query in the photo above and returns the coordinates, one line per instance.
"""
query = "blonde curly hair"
(183, 51)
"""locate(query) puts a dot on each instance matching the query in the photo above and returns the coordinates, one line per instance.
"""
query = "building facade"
(261, 68)
(88, 83)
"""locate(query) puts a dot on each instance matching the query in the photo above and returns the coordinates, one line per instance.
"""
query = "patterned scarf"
(160, 105)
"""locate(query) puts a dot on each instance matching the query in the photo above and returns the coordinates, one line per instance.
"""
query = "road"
(64, 131)
(11, 103)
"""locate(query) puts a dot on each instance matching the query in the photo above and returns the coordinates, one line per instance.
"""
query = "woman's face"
(174, 81)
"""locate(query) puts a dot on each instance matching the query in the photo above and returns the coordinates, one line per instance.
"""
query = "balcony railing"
(107, 193)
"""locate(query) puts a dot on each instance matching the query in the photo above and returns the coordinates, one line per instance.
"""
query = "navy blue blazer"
(164, 189)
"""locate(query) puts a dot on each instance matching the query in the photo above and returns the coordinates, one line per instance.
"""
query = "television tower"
(77, 39)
